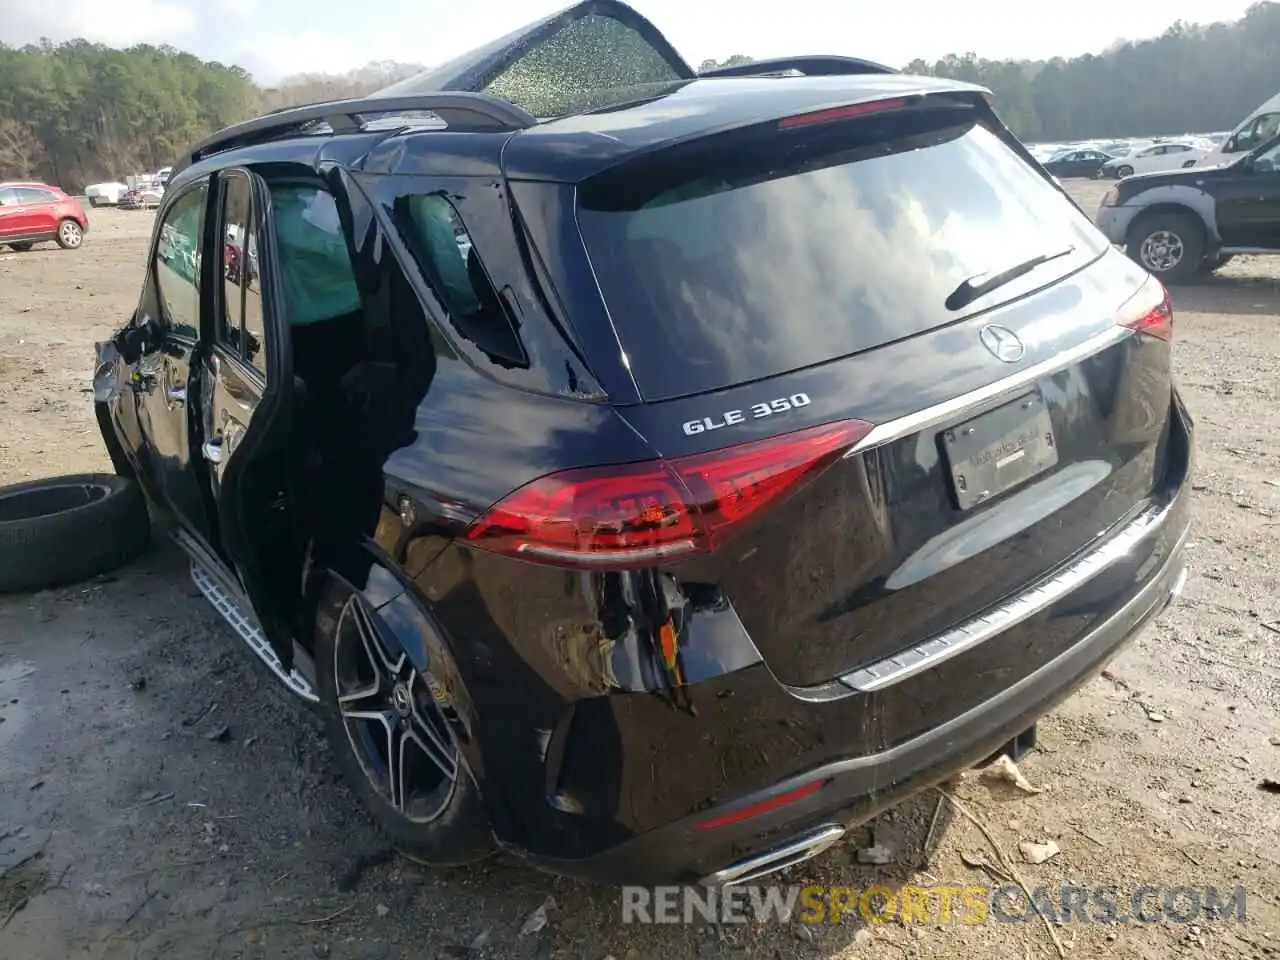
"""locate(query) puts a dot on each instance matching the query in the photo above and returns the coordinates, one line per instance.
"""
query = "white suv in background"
(1171, 155)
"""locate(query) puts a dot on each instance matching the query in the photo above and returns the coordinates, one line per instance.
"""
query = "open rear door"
(552, 67)
(246, 406)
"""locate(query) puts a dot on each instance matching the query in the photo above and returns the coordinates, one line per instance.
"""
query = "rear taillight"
(660, 510)
(1149, 311)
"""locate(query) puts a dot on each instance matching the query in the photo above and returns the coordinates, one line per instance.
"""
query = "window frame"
(217, 238)
(153, 276)
(37, 195)
(409, 234)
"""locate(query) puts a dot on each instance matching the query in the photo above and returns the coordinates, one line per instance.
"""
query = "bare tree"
(21, 153)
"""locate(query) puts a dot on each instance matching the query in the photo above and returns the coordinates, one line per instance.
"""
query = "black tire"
(70, 235)
(1183, 228)
(65, 529)
(22, 247)
(459, 833)
(1124, 171)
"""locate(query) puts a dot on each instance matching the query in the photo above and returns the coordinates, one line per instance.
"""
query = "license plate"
(997, 451)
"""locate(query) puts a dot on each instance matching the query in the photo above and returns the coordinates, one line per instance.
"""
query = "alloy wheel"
(393, 719)
(1161, 251)
(70, 233)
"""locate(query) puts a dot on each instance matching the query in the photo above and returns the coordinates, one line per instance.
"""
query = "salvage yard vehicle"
(146, 196)
(33, 212)
(1188, 222)
(1170, 155)
(591, 538)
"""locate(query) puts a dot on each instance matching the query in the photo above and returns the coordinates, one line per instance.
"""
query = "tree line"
(79, 112)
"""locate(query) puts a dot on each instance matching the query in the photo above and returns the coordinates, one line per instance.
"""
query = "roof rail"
(813, 66)
(472, 112)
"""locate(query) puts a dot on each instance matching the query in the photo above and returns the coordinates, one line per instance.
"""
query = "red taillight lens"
(833, 114)
(1149, 311)
(644, 513)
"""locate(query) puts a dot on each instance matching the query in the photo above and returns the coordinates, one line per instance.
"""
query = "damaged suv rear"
(652, 473)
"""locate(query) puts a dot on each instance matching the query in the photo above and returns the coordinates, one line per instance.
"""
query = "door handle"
(212, 450)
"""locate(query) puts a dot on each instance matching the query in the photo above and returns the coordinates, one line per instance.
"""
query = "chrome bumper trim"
(1008, 386)
(802, 848)
(944, 646)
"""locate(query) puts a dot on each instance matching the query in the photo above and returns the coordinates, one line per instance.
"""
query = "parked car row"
(114, 193)
(147, 196)
(1100, 164)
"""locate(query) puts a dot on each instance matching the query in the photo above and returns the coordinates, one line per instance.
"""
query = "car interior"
(362, 361)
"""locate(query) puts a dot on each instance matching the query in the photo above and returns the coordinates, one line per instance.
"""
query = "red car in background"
(32, 212)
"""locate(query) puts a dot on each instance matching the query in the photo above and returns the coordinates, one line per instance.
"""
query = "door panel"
(163, 386)
(1248, 203)
(29, 213)
(8, 212)
(160, 393)
(245, 411)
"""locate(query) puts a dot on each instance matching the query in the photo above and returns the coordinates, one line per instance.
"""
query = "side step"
(246, 627)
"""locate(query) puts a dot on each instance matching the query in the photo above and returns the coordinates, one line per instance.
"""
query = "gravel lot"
(127, 832)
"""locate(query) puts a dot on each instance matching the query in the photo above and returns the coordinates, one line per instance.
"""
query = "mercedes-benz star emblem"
(1002, 342)
(400, 699)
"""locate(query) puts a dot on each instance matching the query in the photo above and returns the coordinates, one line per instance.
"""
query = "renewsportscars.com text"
(937, 904)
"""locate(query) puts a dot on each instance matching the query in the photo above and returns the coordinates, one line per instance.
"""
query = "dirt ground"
(129, 829)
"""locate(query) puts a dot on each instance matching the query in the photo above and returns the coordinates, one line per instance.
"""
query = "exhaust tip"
(804, 847)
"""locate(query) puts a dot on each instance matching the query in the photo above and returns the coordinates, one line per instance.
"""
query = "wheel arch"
(1184, 201)
(398, 608)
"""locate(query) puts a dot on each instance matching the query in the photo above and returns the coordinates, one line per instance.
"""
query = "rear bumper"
(858, 788)
(867, 757)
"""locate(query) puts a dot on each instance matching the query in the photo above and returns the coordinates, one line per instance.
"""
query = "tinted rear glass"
(739, 259)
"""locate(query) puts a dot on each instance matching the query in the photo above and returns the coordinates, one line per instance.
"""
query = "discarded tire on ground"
(63, 529)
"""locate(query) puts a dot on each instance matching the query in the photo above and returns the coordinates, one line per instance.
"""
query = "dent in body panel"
(544, 651)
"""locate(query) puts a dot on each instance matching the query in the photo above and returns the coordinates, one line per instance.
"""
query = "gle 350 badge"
(757, 411)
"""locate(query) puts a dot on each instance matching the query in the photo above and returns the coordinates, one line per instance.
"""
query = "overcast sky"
(275, 38)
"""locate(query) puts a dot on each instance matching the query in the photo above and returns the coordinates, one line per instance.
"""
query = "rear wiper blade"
(984, 283)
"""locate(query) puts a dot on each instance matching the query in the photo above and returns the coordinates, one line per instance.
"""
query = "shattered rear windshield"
(593, 62)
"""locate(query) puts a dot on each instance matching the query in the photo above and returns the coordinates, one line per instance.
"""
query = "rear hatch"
(925, 339)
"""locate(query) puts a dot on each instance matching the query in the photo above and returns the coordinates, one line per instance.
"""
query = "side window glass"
(1268, 161)
(31, 195)
(317, 279)
(236, 201)
(8, 197)
(177, 263)
(1267, 127)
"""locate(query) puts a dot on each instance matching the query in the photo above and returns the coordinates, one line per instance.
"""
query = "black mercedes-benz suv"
(645, 472)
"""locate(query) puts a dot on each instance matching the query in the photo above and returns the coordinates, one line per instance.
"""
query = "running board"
(246, 627)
